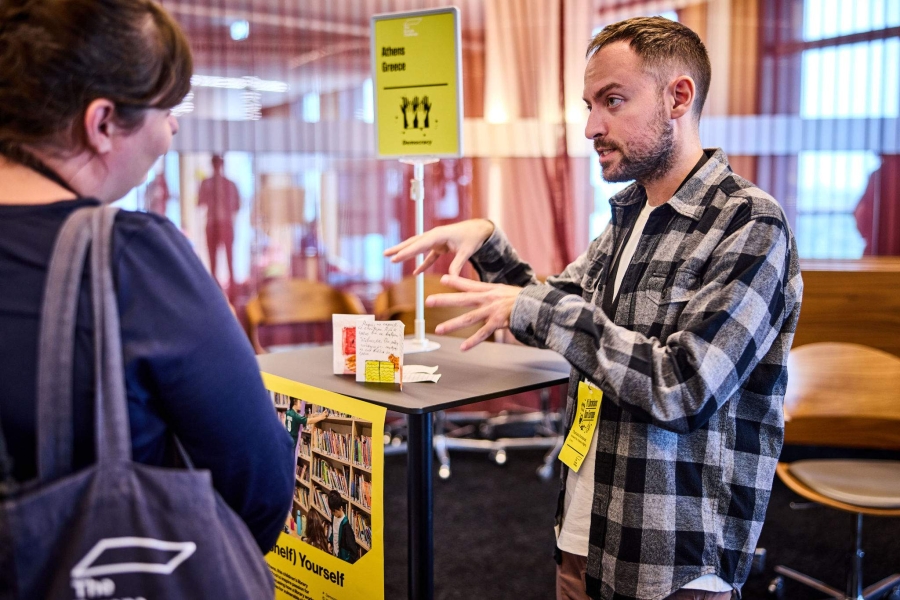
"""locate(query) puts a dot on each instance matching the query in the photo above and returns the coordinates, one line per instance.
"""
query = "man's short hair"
(294, 402)
(335, 502)
(661, 44)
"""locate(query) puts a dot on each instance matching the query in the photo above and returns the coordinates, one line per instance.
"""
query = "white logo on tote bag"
(84, 572)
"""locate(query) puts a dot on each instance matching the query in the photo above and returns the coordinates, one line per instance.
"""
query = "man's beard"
(648, 161)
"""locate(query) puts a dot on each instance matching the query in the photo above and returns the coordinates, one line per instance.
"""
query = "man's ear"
(100, 125)
(683, 92)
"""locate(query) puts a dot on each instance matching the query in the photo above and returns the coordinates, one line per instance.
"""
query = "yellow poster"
(417, 83)
(332, 547)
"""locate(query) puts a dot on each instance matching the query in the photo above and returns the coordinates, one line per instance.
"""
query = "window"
(844, 85)
(311, 107)
(854, 80)
(823, 19)
(368, 101)
(828, 187)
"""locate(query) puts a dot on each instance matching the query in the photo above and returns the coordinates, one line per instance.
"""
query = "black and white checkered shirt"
(692, 361)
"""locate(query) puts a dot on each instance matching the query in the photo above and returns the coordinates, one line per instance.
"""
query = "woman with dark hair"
(86, 92)
(316, 533)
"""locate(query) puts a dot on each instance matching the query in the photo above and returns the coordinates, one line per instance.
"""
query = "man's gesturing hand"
(461, 239)
(493, 304)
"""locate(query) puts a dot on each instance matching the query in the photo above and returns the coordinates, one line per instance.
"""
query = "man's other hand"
(461, 239)
(492, 302)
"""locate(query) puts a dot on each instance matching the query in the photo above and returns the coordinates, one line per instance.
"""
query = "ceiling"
(319, 45)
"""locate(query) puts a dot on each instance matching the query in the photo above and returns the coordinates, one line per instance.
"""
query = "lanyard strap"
(27, 159)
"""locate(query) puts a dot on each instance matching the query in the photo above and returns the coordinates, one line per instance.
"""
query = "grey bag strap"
(113, 437)
(56, 347)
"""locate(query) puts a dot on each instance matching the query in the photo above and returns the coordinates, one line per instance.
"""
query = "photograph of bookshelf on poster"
(333, 478)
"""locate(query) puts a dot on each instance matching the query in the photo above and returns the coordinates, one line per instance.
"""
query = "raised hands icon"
(426, 106)
(404, 105)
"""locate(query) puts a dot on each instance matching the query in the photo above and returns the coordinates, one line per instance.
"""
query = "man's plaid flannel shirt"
(693, 368)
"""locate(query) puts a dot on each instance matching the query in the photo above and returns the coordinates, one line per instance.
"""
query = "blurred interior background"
(805, 100)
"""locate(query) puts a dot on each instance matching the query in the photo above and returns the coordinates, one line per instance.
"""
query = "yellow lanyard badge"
(586, 415)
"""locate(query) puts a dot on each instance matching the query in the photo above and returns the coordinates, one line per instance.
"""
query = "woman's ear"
(100, 125)
(683, 92)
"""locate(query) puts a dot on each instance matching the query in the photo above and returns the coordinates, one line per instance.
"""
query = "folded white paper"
(420, 377)
(419, 369)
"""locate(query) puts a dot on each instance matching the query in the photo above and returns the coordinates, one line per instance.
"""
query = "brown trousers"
(570, 583)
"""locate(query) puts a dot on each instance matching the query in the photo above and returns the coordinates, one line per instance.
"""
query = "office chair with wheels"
(844, 395)
(309, 304)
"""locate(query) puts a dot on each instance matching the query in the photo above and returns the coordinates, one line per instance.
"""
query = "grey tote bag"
(117, 529)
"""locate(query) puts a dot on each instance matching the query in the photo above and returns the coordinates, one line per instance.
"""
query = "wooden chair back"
(843, 395)
(295, 301)
(854, 301)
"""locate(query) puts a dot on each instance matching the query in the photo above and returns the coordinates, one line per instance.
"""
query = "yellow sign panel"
(417, 83)
(333, 540)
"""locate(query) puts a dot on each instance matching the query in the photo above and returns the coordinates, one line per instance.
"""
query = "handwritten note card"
(344, 330)
(379, 351)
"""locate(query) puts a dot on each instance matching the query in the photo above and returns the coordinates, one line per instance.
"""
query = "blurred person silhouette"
(878, 211)
(220, 197)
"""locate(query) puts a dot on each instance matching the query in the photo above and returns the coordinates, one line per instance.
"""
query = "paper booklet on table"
(344, 330)
(379, 351)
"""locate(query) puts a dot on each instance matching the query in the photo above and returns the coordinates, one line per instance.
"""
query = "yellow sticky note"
(373, 370)
(587, 414)
(386, 371)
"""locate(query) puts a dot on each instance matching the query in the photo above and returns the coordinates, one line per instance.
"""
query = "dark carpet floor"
(493, 535)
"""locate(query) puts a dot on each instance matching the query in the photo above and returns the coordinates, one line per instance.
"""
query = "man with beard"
(677, 322)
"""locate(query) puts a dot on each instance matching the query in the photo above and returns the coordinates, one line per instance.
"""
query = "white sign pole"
(419, 343)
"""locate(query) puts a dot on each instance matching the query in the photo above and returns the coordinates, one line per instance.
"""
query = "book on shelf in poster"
(379, 351)
(344, 335)
(343, 476)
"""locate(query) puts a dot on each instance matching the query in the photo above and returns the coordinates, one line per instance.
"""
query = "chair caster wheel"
(498, 456)
(545, 472)
(444, 472)
(776, 587)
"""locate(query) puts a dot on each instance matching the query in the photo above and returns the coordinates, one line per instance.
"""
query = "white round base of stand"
(412, 346)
